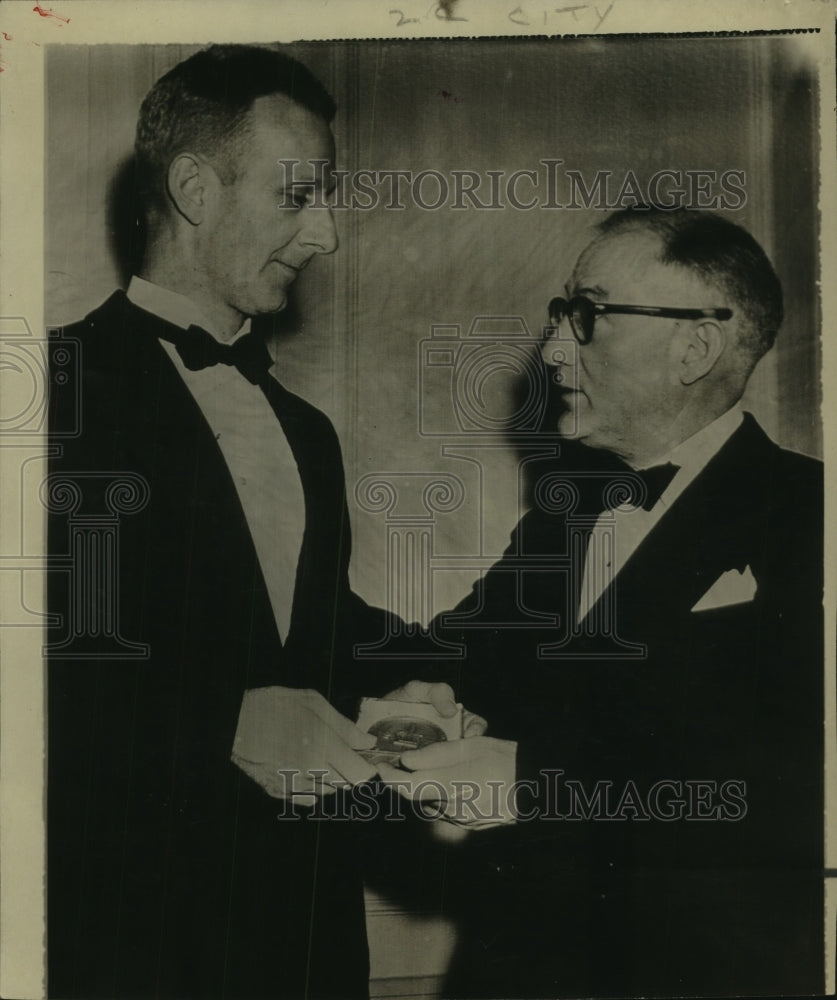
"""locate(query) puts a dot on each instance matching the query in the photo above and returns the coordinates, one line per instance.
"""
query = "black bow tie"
(199, 349)
(656, 480)
(608, 488)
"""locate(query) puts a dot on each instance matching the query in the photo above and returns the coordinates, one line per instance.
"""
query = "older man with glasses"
(649, 655)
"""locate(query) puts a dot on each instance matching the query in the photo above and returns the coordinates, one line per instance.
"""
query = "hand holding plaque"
(293, 742)
(400, 726)
(471, 782)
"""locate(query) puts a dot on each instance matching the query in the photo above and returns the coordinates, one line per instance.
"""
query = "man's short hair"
(725, 256)
(202, 105)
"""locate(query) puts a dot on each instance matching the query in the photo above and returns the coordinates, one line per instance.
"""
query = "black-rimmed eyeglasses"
(582, 313)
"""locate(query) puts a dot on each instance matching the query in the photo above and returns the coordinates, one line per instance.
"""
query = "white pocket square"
(732, 587)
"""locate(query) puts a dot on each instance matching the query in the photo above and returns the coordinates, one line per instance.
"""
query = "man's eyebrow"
(595, 291)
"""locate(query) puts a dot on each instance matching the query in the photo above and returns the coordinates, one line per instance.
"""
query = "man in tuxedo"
(200, 544)
(649, 655)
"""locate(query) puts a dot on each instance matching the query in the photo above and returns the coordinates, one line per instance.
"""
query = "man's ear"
(187, 179)
(704, 346)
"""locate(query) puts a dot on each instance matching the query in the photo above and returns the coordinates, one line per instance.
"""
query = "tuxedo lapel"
(322, 589)
(175, 441)
(708, 531)
(159, 431)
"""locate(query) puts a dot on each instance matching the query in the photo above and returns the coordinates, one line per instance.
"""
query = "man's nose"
(319, 232)
(559, 346)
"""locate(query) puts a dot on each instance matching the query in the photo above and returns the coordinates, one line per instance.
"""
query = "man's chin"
(271, 305)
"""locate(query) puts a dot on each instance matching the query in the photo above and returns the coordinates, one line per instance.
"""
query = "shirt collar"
(694, 454)
(173, 307)
(696, 451)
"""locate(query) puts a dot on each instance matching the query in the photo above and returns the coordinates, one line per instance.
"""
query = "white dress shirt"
(618, 533)
(253, 444)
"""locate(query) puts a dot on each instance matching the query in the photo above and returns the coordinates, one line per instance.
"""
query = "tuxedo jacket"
(615, 888)
(169, 873)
